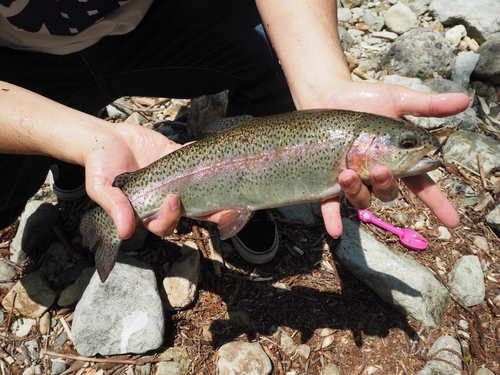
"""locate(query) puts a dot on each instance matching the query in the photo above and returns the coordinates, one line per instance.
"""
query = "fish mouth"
(423, 166)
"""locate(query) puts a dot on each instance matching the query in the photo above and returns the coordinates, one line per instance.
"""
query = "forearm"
(33, 125)
(305, 36)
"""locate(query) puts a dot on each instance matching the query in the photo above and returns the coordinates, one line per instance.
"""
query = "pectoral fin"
(231, 222)
(99, 234)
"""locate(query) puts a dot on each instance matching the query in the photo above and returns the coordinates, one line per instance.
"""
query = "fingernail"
(381, 179)
(173, 203)
(348, 182)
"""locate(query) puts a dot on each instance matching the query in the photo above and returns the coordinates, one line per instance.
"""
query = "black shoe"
(258, 241)
(67, 181)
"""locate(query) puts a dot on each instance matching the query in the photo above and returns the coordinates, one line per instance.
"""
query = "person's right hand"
(120, 148)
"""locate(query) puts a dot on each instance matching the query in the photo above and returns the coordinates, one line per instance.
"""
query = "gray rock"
(397, 278)
(375, 22)
(22, 327)
(420, 53)
(385, 35)
(58, 367)
(32, 296)
(463, 147)
(7, 272)
(467, 281)
(55, 260)
(488, 66)
(344, 15)
(493, 218)
(181, 282)
(346, 40)
(481, 18)
(243, 358)
(482, 243)
(72, 294)
(464, 66)
(179, 364)
(411, 83)
(442, 85)
(455, 34)
(34, 228)
(441, 367)
(400, 19)
(122, 315)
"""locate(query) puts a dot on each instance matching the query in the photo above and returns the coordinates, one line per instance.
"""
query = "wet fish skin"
(262, 163)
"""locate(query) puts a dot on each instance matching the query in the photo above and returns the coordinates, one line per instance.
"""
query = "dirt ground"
(310, 297)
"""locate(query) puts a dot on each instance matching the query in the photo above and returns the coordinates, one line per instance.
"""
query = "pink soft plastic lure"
(408, 237)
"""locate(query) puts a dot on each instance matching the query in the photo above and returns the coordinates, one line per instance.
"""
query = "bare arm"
(305, 37)
(33, 125)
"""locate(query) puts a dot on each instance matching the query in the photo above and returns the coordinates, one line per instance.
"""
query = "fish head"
(398, 145)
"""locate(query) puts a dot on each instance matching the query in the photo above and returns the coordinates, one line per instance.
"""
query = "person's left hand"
(392, 101)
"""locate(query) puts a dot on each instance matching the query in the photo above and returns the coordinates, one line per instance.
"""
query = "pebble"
(45, 323)
(462, 323)
(441, 367)
(444, 233)
(331, 369)
(466, 280)
(493, 218)
(482, 243)
(7, 272)
(455, 34)
(344, 15)
(179, 364)
(58, 367)
(398, 279)
(180, 284)
(32, 296)
(464, 66)
(385, 35)
(22, 327)
(400, 19)
(243, 358)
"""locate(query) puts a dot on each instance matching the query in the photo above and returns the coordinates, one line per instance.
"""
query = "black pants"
(181, 49)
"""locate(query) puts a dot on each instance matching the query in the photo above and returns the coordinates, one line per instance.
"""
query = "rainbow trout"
(264, 162)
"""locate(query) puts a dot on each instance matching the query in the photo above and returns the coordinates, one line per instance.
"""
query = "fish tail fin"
(100, 235)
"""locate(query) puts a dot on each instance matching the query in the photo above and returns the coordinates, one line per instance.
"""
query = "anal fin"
(231, 222)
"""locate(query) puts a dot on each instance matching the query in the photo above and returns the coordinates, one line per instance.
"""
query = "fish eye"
(408, 140)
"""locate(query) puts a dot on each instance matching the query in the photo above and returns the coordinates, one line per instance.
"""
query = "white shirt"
(61, 27)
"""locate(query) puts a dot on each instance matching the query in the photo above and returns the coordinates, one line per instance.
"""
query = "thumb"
(118, 207)
(432, 105)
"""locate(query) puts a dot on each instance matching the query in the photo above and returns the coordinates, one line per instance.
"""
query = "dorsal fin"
(122, 179)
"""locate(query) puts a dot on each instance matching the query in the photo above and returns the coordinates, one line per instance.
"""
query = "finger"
(118, 207)
(430, 194)
(167, 220)
(384, 186)
(331, 215)
(354, 189)
(431, 105)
